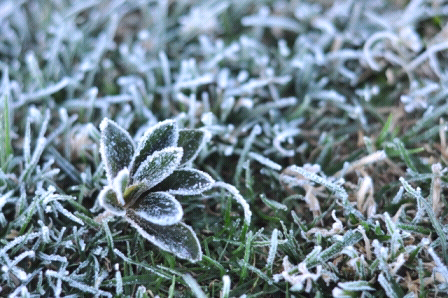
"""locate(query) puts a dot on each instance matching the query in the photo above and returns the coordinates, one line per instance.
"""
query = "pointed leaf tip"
(162, 135)
(116, 148)
(178, 239)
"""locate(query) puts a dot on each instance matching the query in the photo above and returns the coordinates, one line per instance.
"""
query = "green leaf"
(108, 199)
(186, 182)
(273, 204)
(158, 208)
(116, 148)
(178, 239)
(158, 166)
(192, 141)
(160, 136)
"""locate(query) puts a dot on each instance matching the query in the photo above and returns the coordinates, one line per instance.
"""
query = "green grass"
(327, 120)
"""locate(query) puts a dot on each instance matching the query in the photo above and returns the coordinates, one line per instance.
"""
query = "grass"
(328, 145)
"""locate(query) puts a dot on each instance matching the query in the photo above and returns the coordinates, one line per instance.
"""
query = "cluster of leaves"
(143, 180)
(326, 116)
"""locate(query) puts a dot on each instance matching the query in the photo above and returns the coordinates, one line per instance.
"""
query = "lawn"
(159, 148)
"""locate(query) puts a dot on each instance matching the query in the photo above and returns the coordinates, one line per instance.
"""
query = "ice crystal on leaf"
(143, 179)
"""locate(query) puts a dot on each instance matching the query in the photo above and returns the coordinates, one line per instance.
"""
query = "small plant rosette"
(144, 179)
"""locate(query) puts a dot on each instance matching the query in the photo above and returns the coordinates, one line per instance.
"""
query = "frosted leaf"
(225, 286)
(158, 166)
(192, 141)
(265, 161)
(194, 286)
(120, 183)
(272, 249)
(108, 199)
(359, 285)
(73, 283)
(67, 213)
(158, 208)
(5, 197)
(186, 182)
(162, 135)
(238, 197)
(178, 239)
(116, 147)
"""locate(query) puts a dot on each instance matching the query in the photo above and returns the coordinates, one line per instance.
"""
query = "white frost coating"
(119, 183)
(328, 95)
(51, 197)
(281, 137)
(359, 285)
(153, 176)
(45, 91)
(388, 288)
(339, 190)
(165, 65)
(372, 39)
(252, 84)
(67, 213)
(272, 249)
(21, 292)
(150, 269)
(18, 240)
(119, 282)
(440, 267)
(19, 258)
(237, 196)
(48, 259)
(265, 161)
(45, 234)
(250, 139)
(4, 198)
(20, 273)
(225, 286)
(76, 284)
(366, 160)
(27, 141)
(230, 51)
(208, 118)
(40, 146)
(194, 83)
(161, 245)
(194, 286)
(82, 244)
(271, 21)
(278, 104)
(300, 276)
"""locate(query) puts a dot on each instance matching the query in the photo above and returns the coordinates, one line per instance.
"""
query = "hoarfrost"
(265, 161)
(237, 196)
(158, 166)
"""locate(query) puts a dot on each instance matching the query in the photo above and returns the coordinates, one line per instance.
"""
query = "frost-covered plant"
(143, 179)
